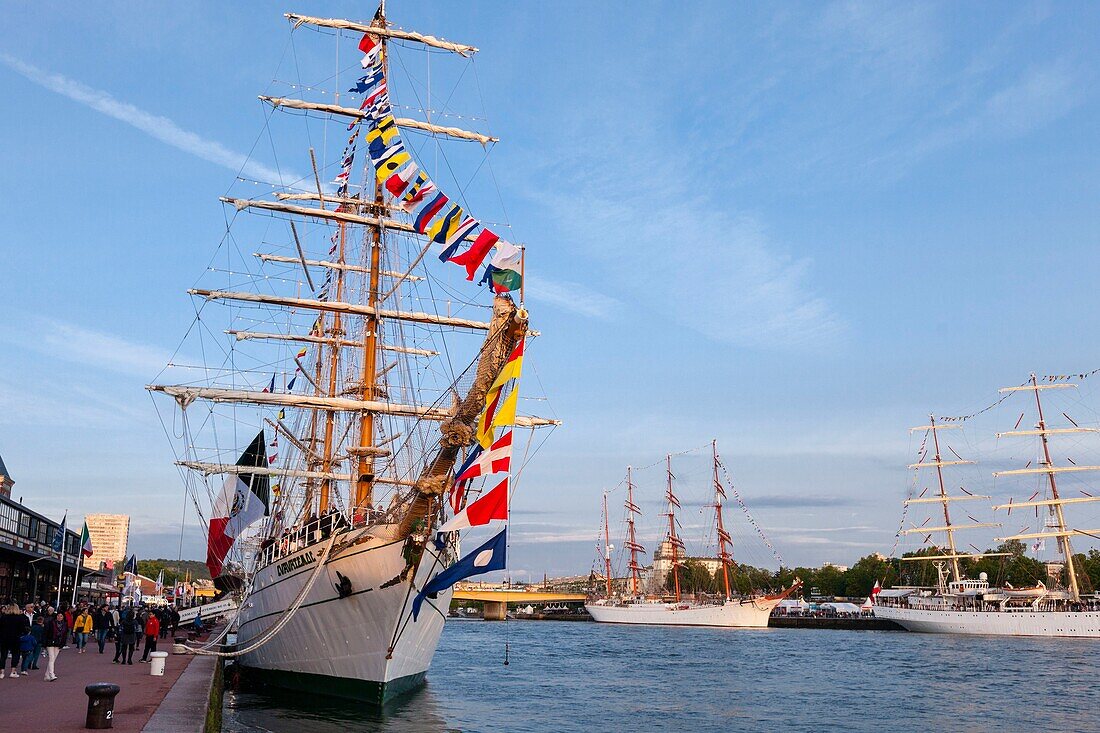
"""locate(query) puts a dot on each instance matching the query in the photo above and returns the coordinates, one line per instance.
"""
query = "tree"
(861, 577)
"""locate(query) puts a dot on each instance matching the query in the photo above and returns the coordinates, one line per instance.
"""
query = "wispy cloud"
(573, 297)
(98, 349)
(156, 126)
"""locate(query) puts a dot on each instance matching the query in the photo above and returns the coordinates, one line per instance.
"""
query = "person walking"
(54, 635)
(117, 615)
(128, 626)
(82, 626)
(152, 631)
(68, 624)
(37, 629)
(13, 625)
(100, 622)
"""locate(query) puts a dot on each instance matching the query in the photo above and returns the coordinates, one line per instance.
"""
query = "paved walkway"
(31, 703)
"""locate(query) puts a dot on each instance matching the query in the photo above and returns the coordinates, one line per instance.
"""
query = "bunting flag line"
(415, 193)
(488, 557)
(399, 181)
(425, 216)
(458, 488)
(491, 506)
(495, 460)
(495, 414)
(472, 258)
(503, 271)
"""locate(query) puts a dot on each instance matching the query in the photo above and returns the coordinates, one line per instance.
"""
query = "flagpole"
(61, 571)
(76, 579)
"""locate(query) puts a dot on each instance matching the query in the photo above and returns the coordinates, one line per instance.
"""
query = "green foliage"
(694, 578)
(173, 569)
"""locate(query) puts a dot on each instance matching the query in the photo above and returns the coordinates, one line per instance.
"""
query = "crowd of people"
(38, 630)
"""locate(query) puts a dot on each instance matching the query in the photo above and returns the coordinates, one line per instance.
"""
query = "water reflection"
(252, 711)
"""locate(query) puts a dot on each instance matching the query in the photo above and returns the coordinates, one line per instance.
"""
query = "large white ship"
(960, 605)
(631, 605)
(365, 374)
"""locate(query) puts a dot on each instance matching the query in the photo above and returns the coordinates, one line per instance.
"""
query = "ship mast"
(673, 541)
(949, 528)
(366, 453)
(1055, 503)
(724, 538)
(631, 537)
(606, 547)
(333, 373)
(950, 531)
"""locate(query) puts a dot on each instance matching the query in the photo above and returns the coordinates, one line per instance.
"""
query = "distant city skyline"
(799, 234)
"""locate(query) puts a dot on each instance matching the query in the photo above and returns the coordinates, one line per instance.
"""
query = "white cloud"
(572, 297)
(98, 349)
(156, 126)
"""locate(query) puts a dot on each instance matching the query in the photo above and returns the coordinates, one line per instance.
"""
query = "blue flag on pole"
(490, 556)
(131, 565)
(59, 537)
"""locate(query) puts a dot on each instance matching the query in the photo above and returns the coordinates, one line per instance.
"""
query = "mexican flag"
(85, 541)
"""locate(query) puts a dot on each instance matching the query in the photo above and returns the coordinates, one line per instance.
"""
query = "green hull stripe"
(368, 691)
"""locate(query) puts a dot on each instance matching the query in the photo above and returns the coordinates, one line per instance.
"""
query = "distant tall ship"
(961, 605)
(634, 606)
(378, 378)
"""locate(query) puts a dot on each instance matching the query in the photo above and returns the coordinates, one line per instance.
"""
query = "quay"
(176, 702)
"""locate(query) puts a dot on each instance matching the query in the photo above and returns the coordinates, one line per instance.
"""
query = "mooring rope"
(270, 633)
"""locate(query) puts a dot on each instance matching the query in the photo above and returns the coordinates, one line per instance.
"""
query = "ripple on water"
(583, 677)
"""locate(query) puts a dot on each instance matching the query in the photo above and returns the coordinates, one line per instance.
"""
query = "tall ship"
(962, 605)
(340, 404)
(633, 605)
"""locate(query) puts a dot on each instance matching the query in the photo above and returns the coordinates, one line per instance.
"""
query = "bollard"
(156, 663)
(101, 705)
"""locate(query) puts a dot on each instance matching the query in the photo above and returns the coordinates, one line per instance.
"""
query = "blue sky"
(796, 229)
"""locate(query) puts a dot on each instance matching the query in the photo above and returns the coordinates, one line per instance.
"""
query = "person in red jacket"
(152, 630)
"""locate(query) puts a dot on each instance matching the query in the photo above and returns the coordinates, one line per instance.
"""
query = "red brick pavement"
(31, 703)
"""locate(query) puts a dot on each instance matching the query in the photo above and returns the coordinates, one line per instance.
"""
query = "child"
(28, 647)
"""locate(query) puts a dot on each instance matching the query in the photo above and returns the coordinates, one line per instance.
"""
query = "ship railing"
(292, 540)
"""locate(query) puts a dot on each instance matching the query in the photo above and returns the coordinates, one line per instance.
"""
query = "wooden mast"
(1063, 540)
(943, 496)
(333, 374)
(631, 537)
(673, 540)
(364, 482)
(606, 547)
(724, 538)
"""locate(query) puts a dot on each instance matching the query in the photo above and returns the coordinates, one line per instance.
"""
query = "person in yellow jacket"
(82, 626)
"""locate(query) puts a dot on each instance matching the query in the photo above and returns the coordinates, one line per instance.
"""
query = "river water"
(573, 676)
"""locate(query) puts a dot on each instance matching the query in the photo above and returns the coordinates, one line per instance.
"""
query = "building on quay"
(110, 535)
(29, 568)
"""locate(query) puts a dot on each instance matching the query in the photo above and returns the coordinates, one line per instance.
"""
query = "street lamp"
(31, 563)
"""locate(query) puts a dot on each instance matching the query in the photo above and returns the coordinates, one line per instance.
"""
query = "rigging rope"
(270, 633)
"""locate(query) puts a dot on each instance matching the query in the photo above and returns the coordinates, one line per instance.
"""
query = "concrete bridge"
(495, 601)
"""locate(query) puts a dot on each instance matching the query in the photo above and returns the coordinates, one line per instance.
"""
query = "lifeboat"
(1034, 591)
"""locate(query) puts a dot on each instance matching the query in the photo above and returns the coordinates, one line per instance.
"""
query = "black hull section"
(372, 693)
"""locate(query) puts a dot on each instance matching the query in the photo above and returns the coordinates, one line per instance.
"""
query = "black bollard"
(101, 705)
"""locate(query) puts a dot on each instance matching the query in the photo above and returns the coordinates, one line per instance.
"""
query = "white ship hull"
(996, 623)
(751, 614)
(365, 646)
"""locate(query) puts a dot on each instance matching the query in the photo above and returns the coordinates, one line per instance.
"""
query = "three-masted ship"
(961, 605)
(633, 605)
(380, 370)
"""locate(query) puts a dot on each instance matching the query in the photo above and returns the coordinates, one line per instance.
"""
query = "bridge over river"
(495, 600)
